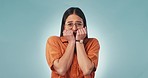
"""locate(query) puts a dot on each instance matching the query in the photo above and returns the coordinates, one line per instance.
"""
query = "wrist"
(73, 41)
(79, 41)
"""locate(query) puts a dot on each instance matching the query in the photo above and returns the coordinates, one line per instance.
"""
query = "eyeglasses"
(76, 24)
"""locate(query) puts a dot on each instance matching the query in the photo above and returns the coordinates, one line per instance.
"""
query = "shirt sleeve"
(52, 51)
(93, 52)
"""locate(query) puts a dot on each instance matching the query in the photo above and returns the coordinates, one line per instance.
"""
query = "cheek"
(67, 28)
(79, 27)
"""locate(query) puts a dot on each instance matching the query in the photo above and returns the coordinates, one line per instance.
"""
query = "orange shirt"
(56, 47)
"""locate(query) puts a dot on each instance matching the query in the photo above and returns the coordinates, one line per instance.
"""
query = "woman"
(73, 54)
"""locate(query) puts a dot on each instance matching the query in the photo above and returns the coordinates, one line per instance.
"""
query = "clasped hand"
(80, 34)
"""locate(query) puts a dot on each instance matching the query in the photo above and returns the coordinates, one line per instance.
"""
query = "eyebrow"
(79, 21)
(69, 22)
(72, 21)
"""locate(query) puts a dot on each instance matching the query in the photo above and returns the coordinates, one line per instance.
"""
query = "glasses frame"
(70, 25)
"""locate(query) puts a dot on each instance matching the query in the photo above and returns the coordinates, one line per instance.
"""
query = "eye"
(79, 24)
(69, 24)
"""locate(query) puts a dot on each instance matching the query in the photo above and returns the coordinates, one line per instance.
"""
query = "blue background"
(119, 25)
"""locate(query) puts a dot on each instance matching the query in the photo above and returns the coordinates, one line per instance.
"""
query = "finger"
(67, 32)
(78, 32)
(71, 32)
(64, 32)
(81, 31)
(84, 30)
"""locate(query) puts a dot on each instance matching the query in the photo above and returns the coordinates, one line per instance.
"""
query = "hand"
(68, 34)
(81, 34)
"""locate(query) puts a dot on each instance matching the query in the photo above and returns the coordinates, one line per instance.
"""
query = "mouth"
(74, 33)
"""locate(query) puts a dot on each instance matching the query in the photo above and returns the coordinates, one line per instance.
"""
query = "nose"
(74, 28)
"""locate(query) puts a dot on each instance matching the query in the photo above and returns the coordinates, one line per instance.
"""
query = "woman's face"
(73, 22)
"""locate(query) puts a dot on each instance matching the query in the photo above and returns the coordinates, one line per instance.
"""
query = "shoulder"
(53, 38)
(92, 40)
(92, 43)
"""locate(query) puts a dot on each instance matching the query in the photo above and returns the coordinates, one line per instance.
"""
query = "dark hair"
(73, 10)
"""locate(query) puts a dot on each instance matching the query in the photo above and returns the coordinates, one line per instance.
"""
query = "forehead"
(74, 18)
